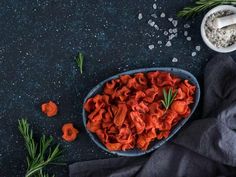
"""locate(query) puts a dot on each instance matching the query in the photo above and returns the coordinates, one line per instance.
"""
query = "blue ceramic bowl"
(156, 143)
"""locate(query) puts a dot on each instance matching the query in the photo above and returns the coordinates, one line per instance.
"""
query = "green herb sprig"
(201, 5)
(39, 155)
(168, 98)
(80, 61)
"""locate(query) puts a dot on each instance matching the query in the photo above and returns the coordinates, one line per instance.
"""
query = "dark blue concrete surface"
(38, 42)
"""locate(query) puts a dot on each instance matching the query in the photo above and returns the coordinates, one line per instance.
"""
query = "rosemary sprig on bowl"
(201, 5)
(80, 60)
(39, 155)
(168, 98)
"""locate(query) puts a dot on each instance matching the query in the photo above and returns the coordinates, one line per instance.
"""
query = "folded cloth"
(205, 147)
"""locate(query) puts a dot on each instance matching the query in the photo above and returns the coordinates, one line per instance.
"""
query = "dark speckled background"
(38, 42)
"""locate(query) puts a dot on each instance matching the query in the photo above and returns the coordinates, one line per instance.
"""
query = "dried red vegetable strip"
(120, 114)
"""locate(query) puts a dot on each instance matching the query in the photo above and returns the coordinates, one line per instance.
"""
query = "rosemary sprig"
(39, 155)
(202, 5)
(168, 98)
(80, 60)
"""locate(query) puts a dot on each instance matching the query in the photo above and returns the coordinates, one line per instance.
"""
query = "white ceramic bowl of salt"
(230, 48)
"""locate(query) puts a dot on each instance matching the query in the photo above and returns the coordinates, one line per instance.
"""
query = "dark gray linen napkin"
(206, 147)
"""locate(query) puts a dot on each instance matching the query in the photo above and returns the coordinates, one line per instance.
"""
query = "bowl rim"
(203, 33)
(127, 153)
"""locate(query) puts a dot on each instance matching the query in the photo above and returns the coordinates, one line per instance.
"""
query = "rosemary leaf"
(80, 61)
(81, 56)
(173, 97)
(169, 96)
(163, 102)
(165, 95)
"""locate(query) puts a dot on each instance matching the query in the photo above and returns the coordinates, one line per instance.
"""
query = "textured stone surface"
(38, 42)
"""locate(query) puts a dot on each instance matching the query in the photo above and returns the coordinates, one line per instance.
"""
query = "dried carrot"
(50, 109)
(69, 132)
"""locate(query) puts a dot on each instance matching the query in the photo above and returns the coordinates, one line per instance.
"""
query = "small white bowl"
(203, 33)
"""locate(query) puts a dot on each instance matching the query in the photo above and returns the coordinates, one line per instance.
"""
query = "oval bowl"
(156, 143)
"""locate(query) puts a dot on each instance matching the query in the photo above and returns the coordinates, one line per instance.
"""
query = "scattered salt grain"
(147, 34)
(140, 16)
(154, 15)
(186, 25)
(175, 30)
(170, 30)
(170, 19)
(168, 44)
(172, 36)
(156, 27)
(165, 33)
(198, 47)
(151, 23)
(154, 6)
(194, 54)
(162, 15)
(151, 46)
(186, 33)
(159, 42)
(174, 60)
(189, 38)
(175, 23)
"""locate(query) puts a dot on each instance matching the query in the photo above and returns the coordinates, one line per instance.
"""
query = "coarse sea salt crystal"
(156, 27)
(175, 23)
(154, 15)
(159, 42)
(172, 36)
(174, 60)
(140, 16)
(189, 38)
(194, 54)
(151, 46)
(162, 15)
(170, 19)
(170, 30)
(154, 6)
(151, 23)
(186, 33)
(168, 44)
(186, 25)
(198, 47)
(165, 33)
(175, 30)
